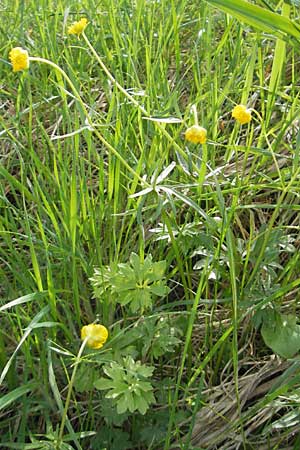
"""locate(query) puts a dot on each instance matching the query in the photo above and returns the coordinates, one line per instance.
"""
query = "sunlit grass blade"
(260, 18)
(277, 67)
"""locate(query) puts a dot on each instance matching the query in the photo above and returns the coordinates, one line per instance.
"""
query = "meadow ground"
(179, 249)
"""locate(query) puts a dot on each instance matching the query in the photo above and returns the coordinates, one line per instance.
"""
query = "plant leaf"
(15, 394)
(282, 334)
(258, 17)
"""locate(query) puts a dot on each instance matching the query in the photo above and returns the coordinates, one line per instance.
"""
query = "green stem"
(69, 393)
(202, 170)
(195, 114)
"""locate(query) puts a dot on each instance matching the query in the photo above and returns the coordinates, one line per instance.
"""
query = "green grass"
(74, 199)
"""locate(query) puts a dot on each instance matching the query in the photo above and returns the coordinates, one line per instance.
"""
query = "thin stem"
(111, 77)
(203, 167)
(70, 388)
(195, 114)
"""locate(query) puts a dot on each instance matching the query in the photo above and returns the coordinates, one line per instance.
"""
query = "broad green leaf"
(158, 271)
(126, 298)
(129, 401)
(125, 394)
(121, 405)
(159, 289)
(135, 262)
(149, 397)
(145, 386)
(282, 334)
(103, 384)
(141, 405)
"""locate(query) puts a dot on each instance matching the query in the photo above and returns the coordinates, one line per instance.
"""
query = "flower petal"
(95, 334)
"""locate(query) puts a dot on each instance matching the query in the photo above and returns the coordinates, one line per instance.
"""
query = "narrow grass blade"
(258, 17)
(12, 396)
(277, 66)
(30, 327)
(22, 300)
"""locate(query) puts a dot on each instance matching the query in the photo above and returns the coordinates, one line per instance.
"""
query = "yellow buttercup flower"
(19, 59)
(96, 335)
(241, 114)
(196, 134)
(78, 27)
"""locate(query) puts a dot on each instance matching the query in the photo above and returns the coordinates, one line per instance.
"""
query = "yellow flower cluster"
(95, 334)
(196, 134)
(241, 114)
(19, 59)
(78, 27)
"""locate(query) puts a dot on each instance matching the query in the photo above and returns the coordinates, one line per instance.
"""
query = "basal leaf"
(141, 405)
(103, 384)
(282, 335)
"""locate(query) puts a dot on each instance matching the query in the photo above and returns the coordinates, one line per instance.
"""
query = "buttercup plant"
(93, 336)
(78, 28)
(20, 60)
(137, 104)
(136, 283)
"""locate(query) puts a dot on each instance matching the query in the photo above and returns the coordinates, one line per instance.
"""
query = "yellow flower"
(96, 334)
(241, 114)
(196, 134)
(78, 27)
(19, 59)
